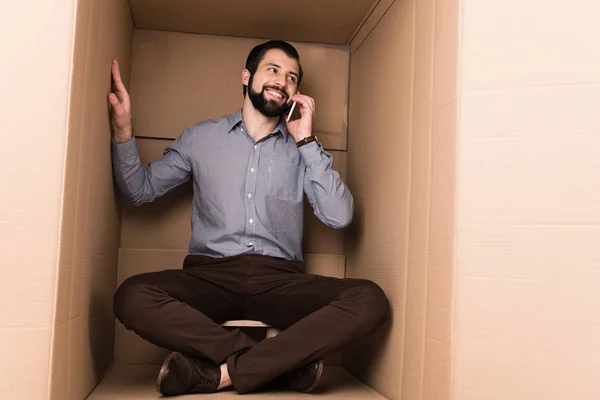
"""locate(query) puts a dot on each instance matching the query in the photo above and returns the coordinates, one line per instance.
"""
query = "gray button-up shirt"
(248, 196)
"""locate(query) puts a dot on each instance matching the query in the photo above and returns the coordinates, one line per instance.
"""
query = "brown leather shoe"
(305, 379)
(182, 375)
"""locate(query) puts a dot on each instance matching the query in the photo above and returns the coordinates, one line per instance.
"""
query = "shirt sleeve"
(329, 197)
(138, 184)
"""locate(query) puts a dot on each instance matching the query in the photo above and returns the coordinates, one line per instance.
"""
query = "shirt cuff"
(124, 150)
(312, 153)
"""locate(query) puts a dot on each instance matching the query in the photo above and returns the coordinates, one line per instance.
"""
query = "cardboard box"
(475, 187)
(383, 75)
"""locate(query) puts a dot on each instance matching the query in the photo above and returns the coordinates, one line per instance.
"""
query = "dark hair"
(258, 52)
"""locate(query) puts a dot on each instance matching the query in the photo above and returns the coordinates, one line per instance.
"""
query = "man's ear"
(245, 77)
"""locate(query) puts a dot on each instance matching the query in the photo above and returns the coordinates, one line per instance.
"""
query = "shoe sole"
(318, 378)
(163, 371)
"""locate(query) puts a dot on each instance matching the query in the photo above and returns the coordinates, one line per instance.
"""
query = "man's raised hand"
(120, 106)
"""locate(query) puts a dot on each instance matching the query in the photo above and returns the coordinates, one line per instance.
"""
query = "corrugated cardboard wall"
(180, 79)
(528, 274)
(379, 159)
(401, 156)
(439, 327)
(82, 347)
(36, 43)
(428, 324)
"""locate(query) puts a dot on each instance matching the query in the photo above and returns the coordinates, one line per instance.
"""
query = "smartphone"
(291, 111)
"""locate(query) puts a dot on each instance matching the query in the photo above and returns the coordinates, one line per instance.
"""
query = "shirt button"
(252, 170)
(251, 221)
(249, 195)
(255, 147)
(251, 244)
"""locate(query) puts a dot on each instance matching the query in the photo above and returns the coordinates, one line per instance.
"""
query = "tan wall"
(528, 272)
(439, 327)
(401, 155)
(34, 91)
(180, 79)
(428, 342)
(379, 148)
(83, 325)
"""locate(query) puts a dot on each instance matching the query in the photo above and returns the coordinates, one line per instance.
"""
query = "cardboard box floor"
(135, 382)
(378, 70)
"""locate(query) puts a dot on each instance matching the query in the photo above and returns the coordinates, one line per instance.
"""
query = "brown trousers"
(181, 310)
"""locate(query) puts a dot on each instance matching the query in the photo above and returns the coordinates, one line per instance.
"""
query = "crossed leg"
(181, 310)
(317, 314)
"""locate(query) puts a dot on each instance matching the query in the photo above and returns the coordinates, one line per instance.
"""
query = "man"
(250, 171)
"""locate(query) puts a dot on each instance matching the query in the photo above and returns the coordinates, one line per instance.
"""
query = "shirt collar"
(236, 118)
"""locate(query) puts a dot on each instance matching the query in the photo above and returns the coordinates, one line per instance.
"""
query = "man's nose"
(280, 83)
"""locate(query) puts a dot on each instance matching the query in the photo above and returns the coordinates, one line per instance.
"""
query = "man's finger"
(116, 104)
(311, 101)
(117, 76)
(114, 101)
(303, 100)
(306, 101)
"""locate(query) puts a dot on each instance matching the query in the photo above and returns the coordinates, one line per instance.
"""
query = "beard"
(269, 108)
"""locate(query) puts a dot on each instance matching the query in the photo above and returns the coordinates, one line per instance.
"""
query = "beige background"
(34, 93)
(528, 249)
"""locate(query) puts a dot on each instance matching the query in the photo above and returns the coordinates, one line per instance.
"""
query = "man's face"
(275, 81)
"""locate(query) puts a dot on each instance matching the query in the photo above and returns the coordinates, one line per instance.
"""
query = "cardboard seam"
(340, 46)
(422, 349)
(347, 100)
(355, 47)
(348, 97)
(131, 14)
(347, 127)
(61, 223)
(363, 21)
(455, 242)
(429, 179)
(103, 375)
(402, 332)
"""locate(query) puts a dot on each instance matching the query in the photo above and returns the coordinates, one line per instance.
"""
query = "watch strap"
(306, 140)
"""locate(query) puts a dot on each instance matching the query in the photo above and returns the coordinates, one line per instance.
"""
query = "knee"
(129, 300)
(374, 307)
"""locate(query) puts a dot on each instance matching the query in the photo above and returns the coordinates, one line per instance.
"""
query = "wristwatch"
(307, 140)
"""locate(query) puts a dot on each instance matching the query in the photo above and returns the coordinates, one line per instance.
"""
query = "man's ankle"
(225, 379)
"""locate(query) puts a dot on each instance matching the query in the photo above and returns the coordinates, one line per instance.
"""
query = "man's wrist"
(299, 136)
(121, 140)
(122, 137)
(306, 140)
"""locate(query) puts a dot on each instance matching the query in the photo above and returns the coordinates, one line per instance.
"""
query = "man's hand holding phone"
(302, 128)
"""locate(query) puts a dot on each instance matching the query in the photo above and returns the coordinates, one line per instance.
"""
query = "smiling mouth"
(275, 93)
